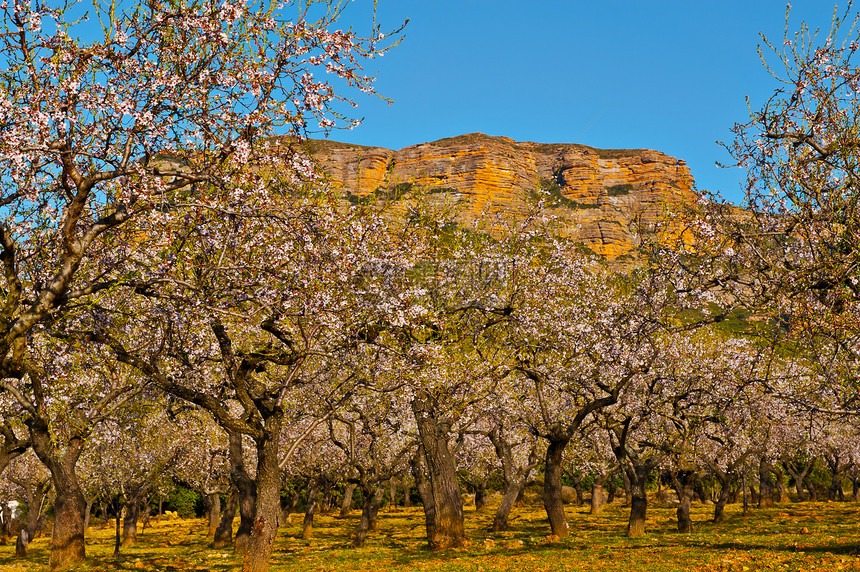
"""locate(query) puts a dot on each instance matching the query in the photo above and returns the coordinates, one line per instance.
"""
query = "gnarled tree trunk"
(449, 529)
(378, 497)
(214, 512)
(612, 488)
(223, 536)
(726, 480)
(373, 497)
(407, 498)
(246, 490)
(425, 492)
(781, 488)
(628, 488)
(552, 498)
(392, 494)
(766, 488)
(267, 507)
(638, 500)
(87, 512)
(129, 522)
(289, 507)
(35, 492)
(310, 508)
(512, 492)
(70, 505)
(597, 498)
(346, 505)
(684, 485)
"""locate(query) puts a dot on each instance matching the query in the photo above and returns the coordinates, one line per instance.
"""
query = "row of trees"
(172, 268)
(372, 448)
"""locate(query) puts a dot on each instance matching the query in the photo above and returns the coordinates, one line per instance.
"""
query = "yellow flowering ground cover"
(796, 536)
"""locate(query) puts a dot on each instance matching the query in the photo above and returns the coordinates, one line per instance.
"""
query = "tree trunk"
(612, 488)
(378, 497)
(512, 491)
(685, 489)
(522, 495)
(725, 492)
(638, 501)
(735, 490)
(813, 492)
(87, 512)
(267, 507)
(348, 493)
(21, 543)
(5, 521)
(214, 512)
(580, 495)
(628, 488)
(247, 493)
(117, 529)
(146, 514)
(372, 501)
(766, 488)
(596, 496)
(325, 503)
(700, 491)
(364, 521)
(449, 529)
(67, 539)
(480, 497)
(35, 492)
(552, 499)
(289, 507)
(798, 480)
(223, 536)
(129, 524)
(392, 494)
(407, 498)
(798, 486)
(425, 492)
(310, 508)
(836, 491)
(781, 489)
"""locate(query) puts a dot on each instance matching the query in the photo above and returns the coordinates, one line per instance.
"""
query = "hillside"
(599, 195)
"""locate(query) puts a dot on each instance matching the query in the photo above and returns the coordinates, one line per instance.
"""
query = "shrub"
(184, 501)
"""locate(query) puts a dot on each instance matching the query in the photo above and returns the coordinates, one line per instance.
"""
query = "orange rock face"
(603, 198)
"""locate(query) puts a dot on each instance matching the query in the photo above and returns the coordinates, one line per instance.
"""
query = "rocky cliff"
(600, 197)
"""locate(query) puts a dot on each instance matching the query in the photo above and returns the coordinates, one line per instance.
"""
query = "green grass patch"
(382, 194)
(550, 191)
(619, 190)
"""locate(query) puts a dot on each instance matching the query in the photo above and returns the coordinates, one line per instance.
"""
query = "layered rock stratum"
(604, 198)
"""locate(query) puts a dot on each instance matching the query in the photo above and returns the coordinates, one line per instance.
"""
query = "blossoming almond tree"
(373, 433)
(790, 255)
(581, 333)
(163, 107)
(262, 321)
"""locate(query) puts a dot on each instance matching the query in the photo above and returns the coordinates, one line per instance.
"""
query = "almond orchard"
(195, 321)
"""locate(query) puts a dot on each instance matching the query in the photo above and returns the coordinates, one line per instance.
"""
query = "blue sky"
(670, 75)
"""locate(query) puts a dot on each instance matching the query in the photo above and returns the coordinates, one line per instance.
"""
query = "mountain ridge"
(604, 198)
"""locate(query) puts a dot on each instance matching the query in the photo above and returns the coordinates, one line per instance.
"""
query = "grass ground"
(798, 536)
